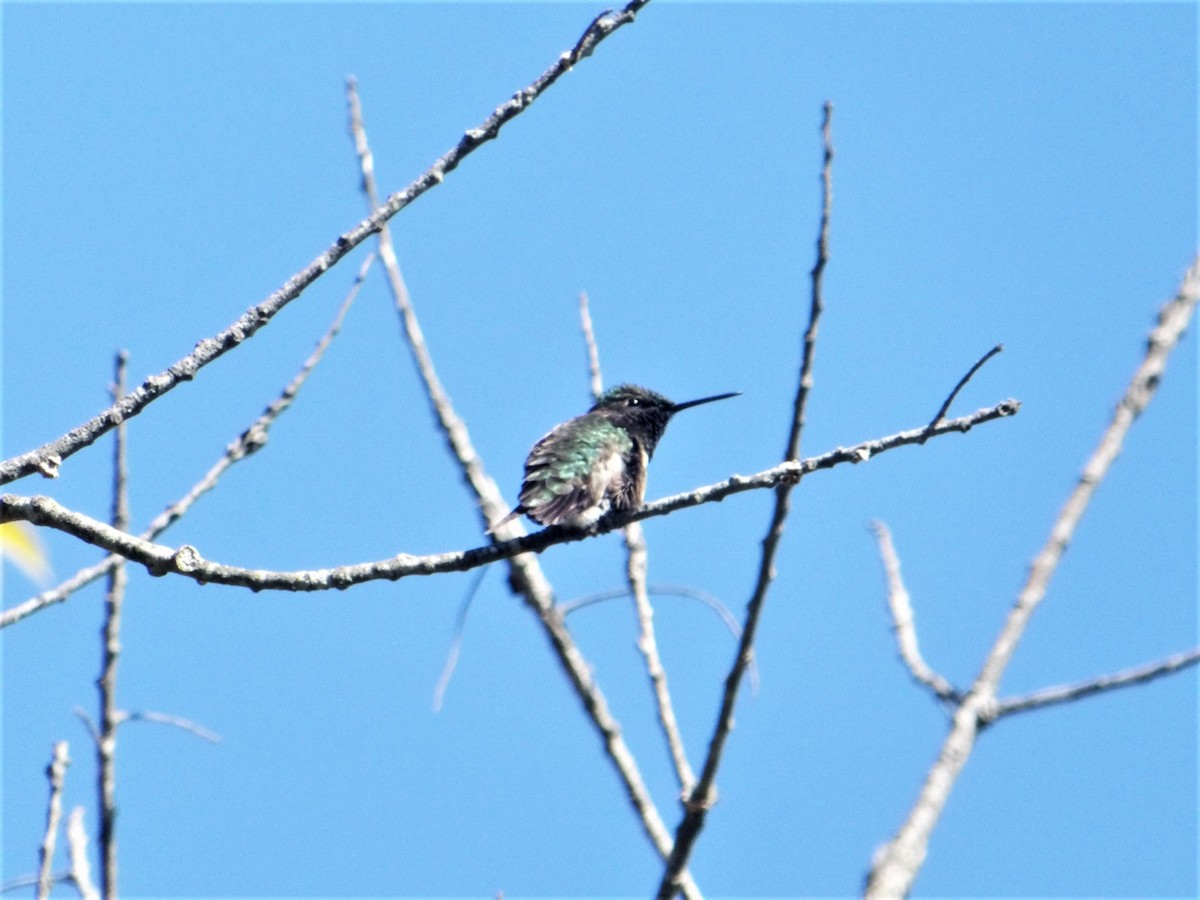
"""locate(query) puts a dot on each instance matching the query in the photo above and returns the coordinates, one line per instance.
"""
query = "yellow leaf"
(19, 541)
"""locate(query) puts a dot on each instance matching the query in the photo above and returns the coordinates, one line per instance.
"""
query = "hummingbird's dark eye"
(634, 401)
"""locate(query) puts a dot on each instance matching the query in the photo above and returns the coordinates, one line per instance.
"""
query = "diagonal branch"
(945, 407)
(703, 794)
(896, 864)
(525, 575)
(249, 442)
(635, 569)
(47, 458)
(452, 428)
(57, 773)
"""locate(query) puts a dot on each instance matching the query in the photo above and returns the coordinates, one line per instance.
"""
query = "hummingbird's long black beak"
(678, 406)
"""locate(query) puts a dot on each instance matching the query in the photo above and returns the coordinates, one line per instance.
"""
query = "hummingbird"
(596, 462)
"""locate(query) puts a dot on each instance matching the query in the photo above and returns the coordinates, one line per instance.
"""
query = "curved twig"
(962, 382)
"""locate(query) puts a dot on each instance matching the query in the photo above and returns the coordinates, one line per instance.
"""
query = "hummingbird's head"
(642, 412)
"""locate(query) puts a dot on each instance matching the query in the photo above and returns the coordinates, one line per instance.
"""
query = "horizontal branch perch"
(186, 560)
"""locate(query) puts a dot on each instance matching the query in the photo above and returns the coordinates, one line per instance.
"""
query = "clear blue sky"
(1018, 173)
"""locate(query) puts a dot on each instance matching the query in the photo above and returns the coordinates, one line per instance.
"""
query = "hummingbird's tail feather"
(515, 514)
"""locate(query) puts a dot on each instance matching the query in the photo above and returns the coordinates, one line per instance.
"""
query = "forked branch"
(896, 864)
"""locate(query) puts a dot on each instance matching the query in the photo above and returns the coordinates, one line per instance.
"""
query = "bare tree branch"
(647, 643)
(249, 442)
(525, 575)
(703, 794)
(636, 566)
(57, 773)
(187, 561)
(1066, 693)
(81, 870)
(106, 745)
(896, 864)
(49, 457)
(903, 622)
(589, 340)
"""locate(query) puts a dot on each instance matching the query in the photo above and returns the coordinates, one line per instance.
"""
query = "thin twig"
(161, 718)
(896, 864)
(941, 413)
(595, 381)
(636, 566)
(86, 719)
(635, 569)
(903, 621)
(703, 794)
(669, 590)
(106, 746)
(1066, 693)
(567, 607)
(187, 561)
(30, 879)
(249, 442)
(56, 772)
(460, 626)
(47, 458)
(818, 281)
(525, 575)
